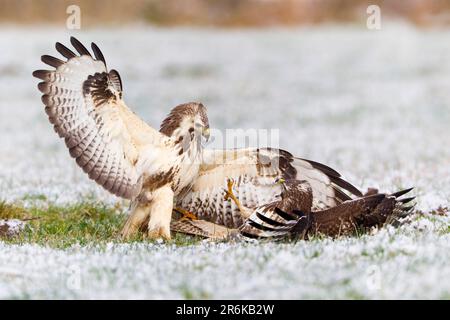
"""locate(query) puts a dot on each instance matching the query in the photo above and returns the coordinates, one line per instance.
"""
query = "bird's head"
(291, 187)
(186, 122)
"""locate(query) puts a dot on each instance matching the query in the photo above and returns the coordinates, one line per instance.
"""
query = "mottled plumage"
(291, 216)
(372, 210)
(254, 172)
(277, 218)
(323, 201)
(111, 144)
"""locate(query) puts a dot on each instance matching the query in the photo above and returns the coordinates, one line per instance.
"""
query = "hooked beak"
(280, 181)
(206, 133)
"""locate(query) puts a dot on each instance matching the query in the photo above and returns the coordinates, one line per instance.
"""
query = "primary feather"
(113, 146)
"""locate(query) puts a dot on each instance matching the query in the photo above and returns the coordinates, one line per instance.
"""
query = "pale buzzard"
(119, 151)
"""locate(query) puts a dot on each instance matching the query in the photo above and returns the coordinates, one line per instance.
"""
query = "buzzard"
(84, 102)
(310, 191)
(253, 172)
(168, 169)
(290, 214)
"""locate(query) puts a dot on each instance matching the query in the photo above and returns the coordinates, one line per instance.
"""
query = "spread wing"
(253, 185)
(83, 101)
(254, 172)
(365, 212)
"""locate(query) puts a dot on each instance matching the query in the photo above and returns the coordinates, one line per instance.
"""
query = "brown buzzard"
(290, 214)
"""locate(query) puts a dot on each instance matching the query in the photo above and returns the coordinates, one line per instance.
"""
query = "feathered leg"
(160, 213)
(138, 216)
(155, 212)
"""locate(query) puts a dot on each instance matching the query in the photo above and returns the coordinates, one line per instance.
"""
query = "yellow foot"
(245, 212)
(186, 214)
(229, 193)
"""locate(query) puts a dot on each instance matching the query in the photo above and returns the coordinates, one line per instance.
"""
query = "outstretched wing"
(365, 212)
(254, 172)
(84, 103)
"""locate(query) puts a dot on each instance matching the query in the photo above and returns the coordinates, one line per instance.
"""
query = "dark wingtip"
(66, 52)
(401, 192)
(334, 176)
(41, 74)
(43, 87)
(51, 61)
(346, 186)
(409, 208)
(115, 76)
(98, 53)
(406, 200)
(322, 167)
(79, 47)
(45, 99)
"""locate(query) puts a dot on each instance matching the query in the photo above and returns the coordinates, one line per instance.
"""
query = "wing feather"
(84, 103)
(254, 172)
(64, 51)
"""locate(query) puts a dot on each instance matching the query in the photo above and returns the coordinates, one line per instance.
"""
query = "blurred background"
(223, 13)
(365, 93)
(371, 102)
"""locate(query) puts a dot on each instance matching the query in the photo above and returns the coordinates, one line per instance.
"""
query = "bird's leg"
(160, 213)
(186, 214)
(230, 195)
(138, 216)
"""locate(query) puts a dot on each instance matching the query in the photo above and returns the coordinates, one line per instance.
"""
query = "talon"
(186, 214)
(229, 195)
(229, 192)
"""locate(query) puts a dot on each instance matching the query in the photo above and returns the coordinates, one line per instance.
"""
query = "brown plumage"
(358, 215)
(254, 172)
(291, 216)
(178, 114)
(276, 219)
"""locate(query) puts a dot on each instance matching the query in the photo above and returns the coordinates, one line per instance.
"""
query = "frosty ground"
(375, 105)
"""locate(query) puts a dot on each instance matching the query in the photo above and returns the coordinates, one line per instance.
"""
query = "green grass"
(93, 223)
(82, 224)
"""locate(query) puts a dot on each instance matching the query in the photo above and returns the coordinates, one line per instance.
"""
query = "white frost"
(373, 105)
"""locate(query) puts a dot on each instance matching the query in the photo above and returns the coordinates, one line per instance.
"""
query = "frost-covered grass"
(373, 105)
(409, 262)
